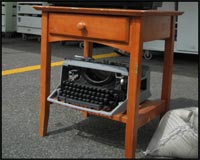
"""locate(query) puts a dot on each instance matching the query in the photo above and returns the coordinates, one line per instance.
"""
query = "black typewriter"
(99, 87)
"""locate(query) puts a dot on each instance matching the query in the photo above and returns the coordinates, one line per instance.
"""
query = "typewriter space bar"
(84, 104)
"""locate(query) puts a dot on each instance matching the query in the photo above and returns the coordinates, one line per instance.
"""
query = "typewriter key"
(96, 102)
(71, 96)
(80, 94)
(77, 85)
(93, 93)
(92, 97)
(105, 100)
(72, 93)
(77, 89)
(111, 91)
(87, 96)
(107, 91)
(84, 91)
(102, 94)
(68, 92)
(83, 87)
(98, 90)
(106, 95)
(115, 95)
(106, 108)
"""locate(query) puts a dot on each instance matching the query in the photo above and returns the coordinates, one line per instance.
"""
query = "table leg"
(133, 88)
(87, 49)
(87, 53)
(168, 66)
(45, 72)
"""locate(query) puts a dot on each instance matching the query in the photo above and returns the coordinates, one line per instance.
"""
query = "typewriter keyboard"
(88, 96)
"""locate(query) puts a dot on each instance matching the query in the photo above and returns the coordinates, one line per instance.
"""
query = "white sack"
(176, 135)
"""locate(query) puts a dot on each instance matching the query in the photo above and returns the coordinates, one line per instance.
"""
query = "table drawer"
(87, 26)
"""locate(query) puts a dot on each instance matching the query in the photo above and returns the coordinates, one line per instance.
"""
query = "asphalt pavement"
(69, 134)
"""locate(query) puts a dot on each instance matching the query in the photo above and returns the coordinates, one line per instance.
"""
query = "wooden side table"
(118, 28)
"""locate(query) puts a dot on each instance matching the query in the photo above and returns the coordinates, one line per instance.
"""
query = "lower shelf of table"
(148, 110)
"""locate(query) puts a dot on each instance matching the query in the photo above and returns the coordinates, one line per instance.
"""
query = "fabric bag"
(176, 135)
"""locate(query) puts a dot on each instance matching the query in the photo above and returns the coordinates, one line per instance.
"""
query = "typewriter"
(98, 87)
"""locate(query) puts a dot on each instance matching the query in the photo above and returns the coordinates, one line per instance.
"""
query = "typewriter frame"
(122, 106)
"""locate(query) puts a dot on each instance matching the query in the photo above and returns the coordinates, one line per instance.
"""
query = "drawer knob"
(81, 26)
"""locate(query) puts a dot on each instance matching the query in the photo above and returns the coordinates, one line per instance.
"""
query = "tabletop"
(107, 11)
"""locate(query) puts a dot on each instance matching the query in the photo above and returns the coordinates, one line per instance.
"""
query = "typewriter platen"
(99, 87)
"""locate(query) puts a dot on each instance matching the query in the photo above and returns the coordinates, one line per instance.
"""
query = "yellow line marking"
(20, 70)
(108, 55)
(53, 64)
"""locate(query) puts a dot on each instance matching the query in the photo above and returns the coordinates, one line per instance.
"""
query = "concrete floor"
(69, 134)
